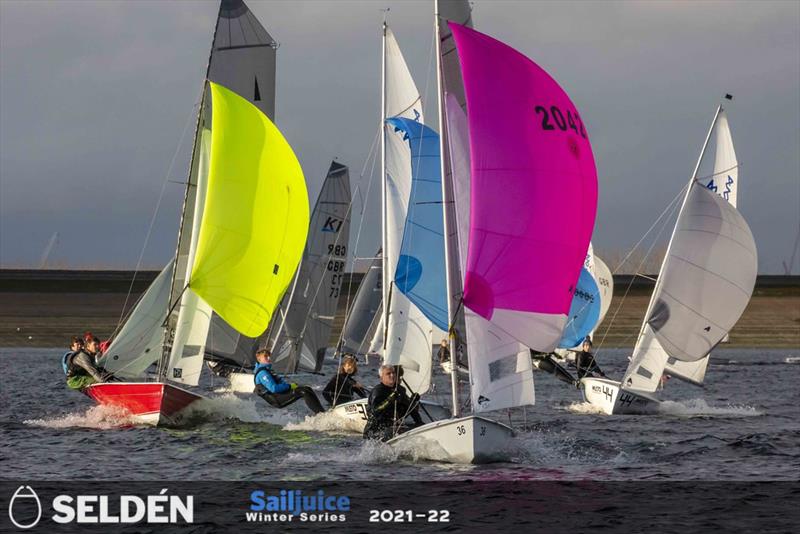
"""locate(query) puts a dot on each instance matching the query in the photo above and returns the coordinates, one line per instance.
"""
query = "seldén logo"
(290, 505)
(101, 509)
(24, 498)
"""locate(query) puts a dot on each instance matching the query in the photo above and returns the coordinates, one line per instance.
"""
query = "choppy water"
(743, 425)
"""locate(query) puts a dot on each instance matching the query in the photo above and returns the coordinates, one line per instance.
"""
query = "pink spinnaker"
(533, 183)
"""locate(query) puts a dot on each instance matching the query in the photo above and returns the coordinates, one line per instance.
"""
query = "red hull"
(153, 403)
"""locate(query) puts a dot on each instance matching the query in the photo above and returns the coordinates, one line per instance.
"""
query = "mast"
(675, 229)
(384, 271)
(447, 252)
(167, 345)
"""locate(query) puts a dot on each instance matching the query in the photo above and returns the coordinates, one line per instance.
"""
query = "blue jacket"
(274, 384)
(65, 361)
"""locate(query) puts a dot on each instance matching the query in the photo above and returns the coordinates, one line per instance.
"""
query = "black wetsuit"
(279, 394)
(342, 388)
(387, 409)
(444, 354)
(546, 363)
(586, 365)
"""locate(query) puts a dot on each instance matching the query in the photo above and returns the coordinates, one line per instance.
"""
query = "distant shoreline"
(45, 308)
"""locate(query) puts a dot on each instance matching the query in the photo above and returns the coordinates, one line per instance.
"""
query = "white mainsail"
(500, 366)
(194, 315)
(407, 331)
(705, 283)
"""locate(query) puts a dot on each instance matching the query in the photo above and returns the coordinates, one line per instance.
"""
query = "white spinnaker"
(725, 182)
(138, 344)
(500, 366)
(706, 281)
(708, 277)
(194, 315)
(408, 332)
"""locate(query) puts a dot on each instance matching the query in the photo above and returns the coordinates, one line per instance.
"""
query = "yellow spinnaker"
(255, 219)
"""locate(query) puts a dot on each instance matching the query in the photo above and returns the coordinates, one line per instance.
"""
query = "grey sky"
(94, 97)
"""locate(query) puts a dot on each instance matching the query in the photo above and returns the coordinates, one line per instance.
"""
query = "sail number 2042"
(553, 118)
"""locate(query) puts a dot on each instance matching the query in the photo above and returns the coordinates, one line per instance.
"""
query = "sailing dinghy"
(511, 262)
(411, 210)
(705, 282)
(243, 228)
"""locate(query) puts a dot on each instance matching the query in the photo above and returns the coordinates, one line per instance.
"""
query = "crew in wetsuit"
(545, 362)
(389, 405)
(81, 370)
(275, 391)
(343, 387)
(585, 362)
(75, 345)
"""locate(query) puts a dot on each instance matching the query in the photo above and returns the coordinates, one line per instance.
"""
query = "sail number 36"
(553, 118)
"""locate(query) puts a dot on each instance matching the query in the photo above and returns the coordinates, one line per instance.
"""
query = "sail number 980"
(570, 121)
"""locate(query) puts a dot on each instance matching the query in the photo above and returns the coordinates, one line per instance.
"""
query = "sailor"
(585, 361)
(75, 345)
(275, 391)
(444, 352)
(389, 405)
(546, 361)
(81, 370)
(343, 387)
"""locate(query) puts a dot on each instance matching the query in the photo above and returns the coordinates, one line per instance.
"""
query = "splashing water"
(98, 417)
(700, 408)
(249, 410)
(327, 422)
(584, 408)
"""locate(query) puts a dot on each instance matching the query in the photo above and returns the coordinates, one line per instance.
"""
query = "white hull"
(354, 413)
(466, 440)
(614, 400)
(447, 367)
